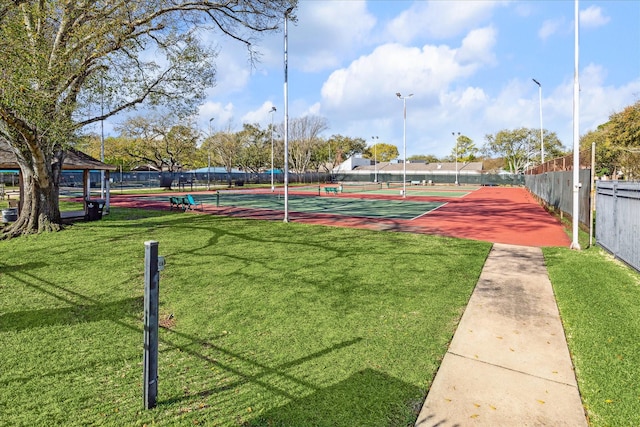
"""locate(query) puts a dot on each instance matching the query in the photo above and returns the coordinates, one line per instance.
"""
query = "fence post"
(616, 227)
(151, 294)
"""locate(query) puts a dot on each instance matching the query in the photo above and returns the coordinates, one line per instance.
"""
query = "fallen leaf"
(540, 401)
(474, 416)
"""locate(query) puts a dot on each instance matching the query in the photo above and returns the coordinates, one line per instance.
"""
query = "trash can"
(9, 215)
(93, 209)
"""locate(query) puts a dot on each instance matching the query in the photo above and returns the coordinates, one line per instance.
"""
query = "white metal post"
(209, 157)
(404, 141)
(286, 119)
(454, 135)
(375, 159)
(273, 110)
(541, 127)
(576, 134)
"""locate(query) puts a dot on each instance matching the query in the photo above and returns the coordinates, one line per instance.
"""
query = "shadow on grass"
(265, 371)
(369, 396)
(79, 308)
(77, 313)
(82, 308)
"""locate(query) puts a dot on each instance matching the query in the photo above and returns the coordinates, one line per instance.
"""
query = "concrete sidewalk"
(508, 363)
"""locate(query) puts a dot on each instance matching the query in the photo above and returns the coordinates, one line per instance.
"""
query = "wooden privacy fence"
(562, 164)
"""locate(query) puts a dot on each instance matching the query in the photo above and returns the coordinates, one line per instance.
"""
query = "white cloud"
(393, 68)
(222, 115)
(261, 115)
(327, 32)
(598, 101)
(439, 19)
(478, 46)
(550, 27)
(592, 17)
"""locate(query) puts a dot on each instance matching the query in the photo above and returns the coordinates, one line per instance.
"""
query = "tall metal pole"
(209, 157)
(273, 110)
(454, 135)
(576, 133)
(286, 119)
(404, 141)
(102, 189)
(541, 128)
(375, 159)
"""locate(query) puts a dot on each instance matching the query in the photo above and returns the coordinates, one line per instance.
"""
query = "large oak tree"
(520, 148)
(64, 59)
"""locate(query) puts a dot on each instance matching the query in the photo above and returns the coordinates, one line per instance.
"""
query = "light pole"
(541, 131)
(286, 118)
(575, 244)
(209, 157)
(454, 134)
(404, 141)
(375, 159)
(272, 111)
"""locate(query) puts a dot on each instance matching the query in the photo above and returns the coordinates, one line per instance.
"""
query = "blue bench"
(331, 190)
(188, 202)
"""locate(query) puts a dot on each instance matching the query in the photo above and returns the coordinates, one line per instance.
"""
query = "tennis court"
(392, 189)
(304, 201)
(496, 214)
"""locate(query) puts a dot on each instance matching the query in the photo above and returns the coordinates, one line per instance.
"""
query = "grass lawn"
(599, 301)
(264, 323)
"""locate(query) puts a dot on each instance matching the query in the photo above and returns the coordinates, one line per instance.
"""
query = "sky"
(469, 65)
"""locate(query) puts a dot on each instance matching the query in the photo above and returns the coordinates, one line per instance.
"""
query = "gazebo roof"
(73, 160)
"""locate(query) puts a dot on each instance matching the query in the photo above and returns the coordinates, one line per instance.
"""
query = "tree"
(607, 155)
(384, 152)
(256, 154)
(465, 150)
(520, 147)
(304, 138)
(159, 141)
(227, 148)
(114, 150)
(339, 148)
(427, 158)
(617, 143)
(624, 132)
(60, 59)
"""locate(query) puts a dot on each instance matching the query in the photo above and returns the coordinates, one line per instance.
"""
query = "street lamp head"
(273, 109)
(211, 119)
(398, 95)
(536, 82)
(410, 95)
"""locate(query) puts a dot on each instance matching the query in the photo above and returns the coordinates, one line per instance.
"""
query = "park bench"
(188, 202)
(175, 202)
(331, 190)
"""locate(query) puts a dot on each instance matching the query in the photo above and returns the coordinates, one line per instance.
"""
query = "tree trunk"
(40, 210)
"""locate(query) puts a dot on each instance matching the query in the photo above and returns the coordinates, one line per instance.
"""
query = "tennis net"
(360, 187)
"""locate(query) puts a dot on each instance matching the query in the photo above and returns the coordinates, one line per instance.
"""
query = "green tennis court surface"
(393, 189)
(371, 208)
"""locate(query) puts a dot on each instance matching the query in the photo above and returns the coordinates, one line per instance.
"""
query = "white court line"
(428, 212)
